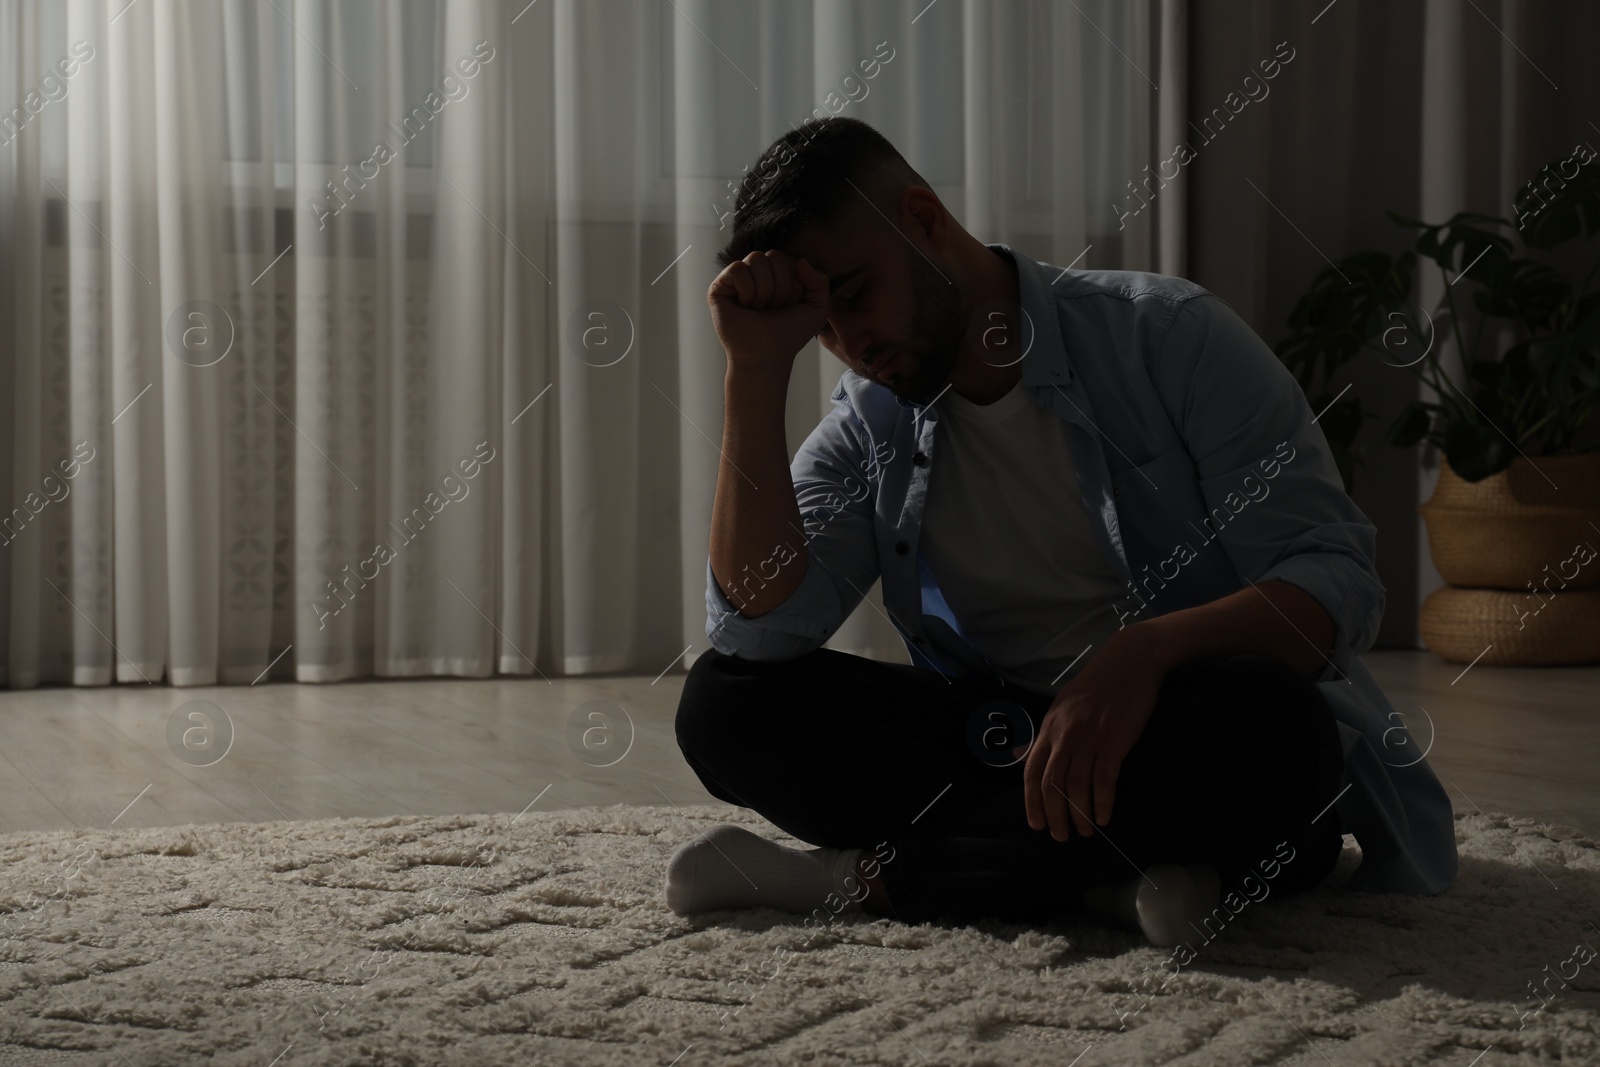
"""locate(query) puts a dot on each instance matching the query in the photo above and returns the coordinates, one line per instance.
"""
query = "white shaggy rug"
(545, 939)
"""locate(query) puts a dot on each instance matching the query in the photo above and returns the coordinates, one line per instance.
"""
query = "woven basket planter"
(1519, 551)
(1502, 532)
(1518, 629)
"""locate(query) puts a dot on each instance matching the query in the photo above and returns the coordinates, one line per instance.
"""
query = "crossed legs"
(1237, 767)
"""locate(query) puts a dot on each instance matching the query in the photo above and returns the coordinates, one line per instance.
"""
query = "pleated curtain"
(342, 340)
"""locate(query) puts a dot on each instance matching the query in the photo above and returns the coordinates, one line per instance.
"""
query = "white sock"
(1181, 898)
(1162, 903)
(730, 867)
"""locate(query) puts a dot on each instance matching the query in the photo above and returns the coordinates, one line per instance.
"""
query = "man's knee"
(721, 693)
(1260, 713)
(702, 702)
(1279, 695)
(1294, 724)
(718, 689)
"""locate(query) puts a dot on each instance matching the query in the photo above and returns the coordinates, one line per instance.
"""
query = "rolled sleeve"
(1344, 589)
(836, 477)
(1265, 464)
(792, 629)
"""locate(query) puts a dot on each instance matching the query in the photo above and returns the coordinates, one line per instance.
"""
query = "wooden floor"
(1522, 741)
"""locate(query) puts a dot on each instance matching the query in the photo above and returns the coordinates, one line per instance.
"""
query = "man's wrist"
(1273, 619)
(765, 374)
(1156, 642)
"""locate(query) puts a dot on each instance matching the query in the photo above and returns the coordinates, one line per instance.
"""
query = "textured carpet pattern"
(545, 938)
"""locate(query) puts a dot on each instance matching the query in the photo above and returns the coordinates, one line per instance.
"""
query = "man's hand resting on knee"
(1070, 776)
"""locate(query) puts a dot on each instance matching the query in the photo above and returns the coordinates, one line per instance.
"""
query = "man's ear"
(928, 214)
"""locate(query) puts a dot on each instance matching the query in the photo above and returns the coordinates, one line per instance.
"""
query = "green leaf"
(1525, 290)
(1474, 451)
(1560, 202)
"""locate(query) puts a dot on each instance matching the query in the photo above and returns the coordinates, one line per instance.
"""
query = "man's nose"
(859, 346)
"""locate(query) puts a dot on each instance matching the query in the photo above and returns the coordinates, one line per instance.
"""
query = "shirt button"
(918, 641)
(919, 459)
(901, 548)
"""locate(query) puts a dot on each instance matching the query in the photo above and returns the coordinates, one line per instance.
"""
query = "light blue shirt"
(1203, 471)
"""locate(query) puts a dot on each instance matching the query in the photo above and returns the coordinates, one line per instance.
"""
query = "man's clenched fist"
(767, 306)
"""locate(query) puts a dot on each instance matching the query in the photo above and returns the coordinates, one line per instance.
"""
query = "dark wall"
(1340, 139)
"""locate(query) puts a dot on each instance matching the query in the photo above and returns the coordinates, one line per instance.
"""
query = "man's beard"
(936, 334)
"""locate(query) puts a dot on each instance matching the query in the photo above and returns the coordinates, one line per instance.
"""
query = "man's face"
(891, 311)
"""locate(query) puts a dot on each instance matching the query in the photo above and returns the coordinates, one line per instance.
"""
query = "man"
(1129, 579)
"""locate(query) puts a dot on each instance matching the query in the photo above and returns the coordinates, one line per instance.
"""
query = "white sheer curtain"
(281, 404)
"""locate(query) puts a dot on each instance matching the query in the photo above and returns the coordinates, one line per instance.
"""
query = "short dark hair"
(804, 178)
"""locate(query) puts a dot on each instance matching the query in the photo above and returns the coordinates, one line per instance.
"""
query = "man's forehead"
(838, 256)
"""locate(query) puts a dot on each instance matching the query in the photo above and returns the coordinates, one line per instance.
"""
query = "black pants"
(1238, 766)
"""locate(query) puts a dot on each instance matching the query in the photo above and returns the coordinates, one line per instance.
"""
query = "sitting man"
(1125, 569)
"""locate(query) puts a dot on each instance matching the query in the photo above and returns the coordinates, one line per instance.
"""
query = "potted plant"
(1515, 518)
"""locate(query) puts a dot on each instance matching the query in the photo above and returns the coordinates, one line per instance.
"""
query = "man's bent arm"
(1270, 618)
(757, 556)
(1246, 422)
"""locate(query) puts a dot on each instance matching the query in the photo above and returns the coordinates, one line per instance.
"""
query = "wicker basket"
(1518, 526)
(1518, 629)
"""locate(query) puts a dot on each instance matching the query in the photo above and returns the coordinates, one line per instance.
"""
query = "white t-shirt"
(1007, 535)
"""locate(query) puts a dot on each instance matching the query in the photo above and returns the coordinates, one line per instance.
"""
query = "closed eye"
(849, 301)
